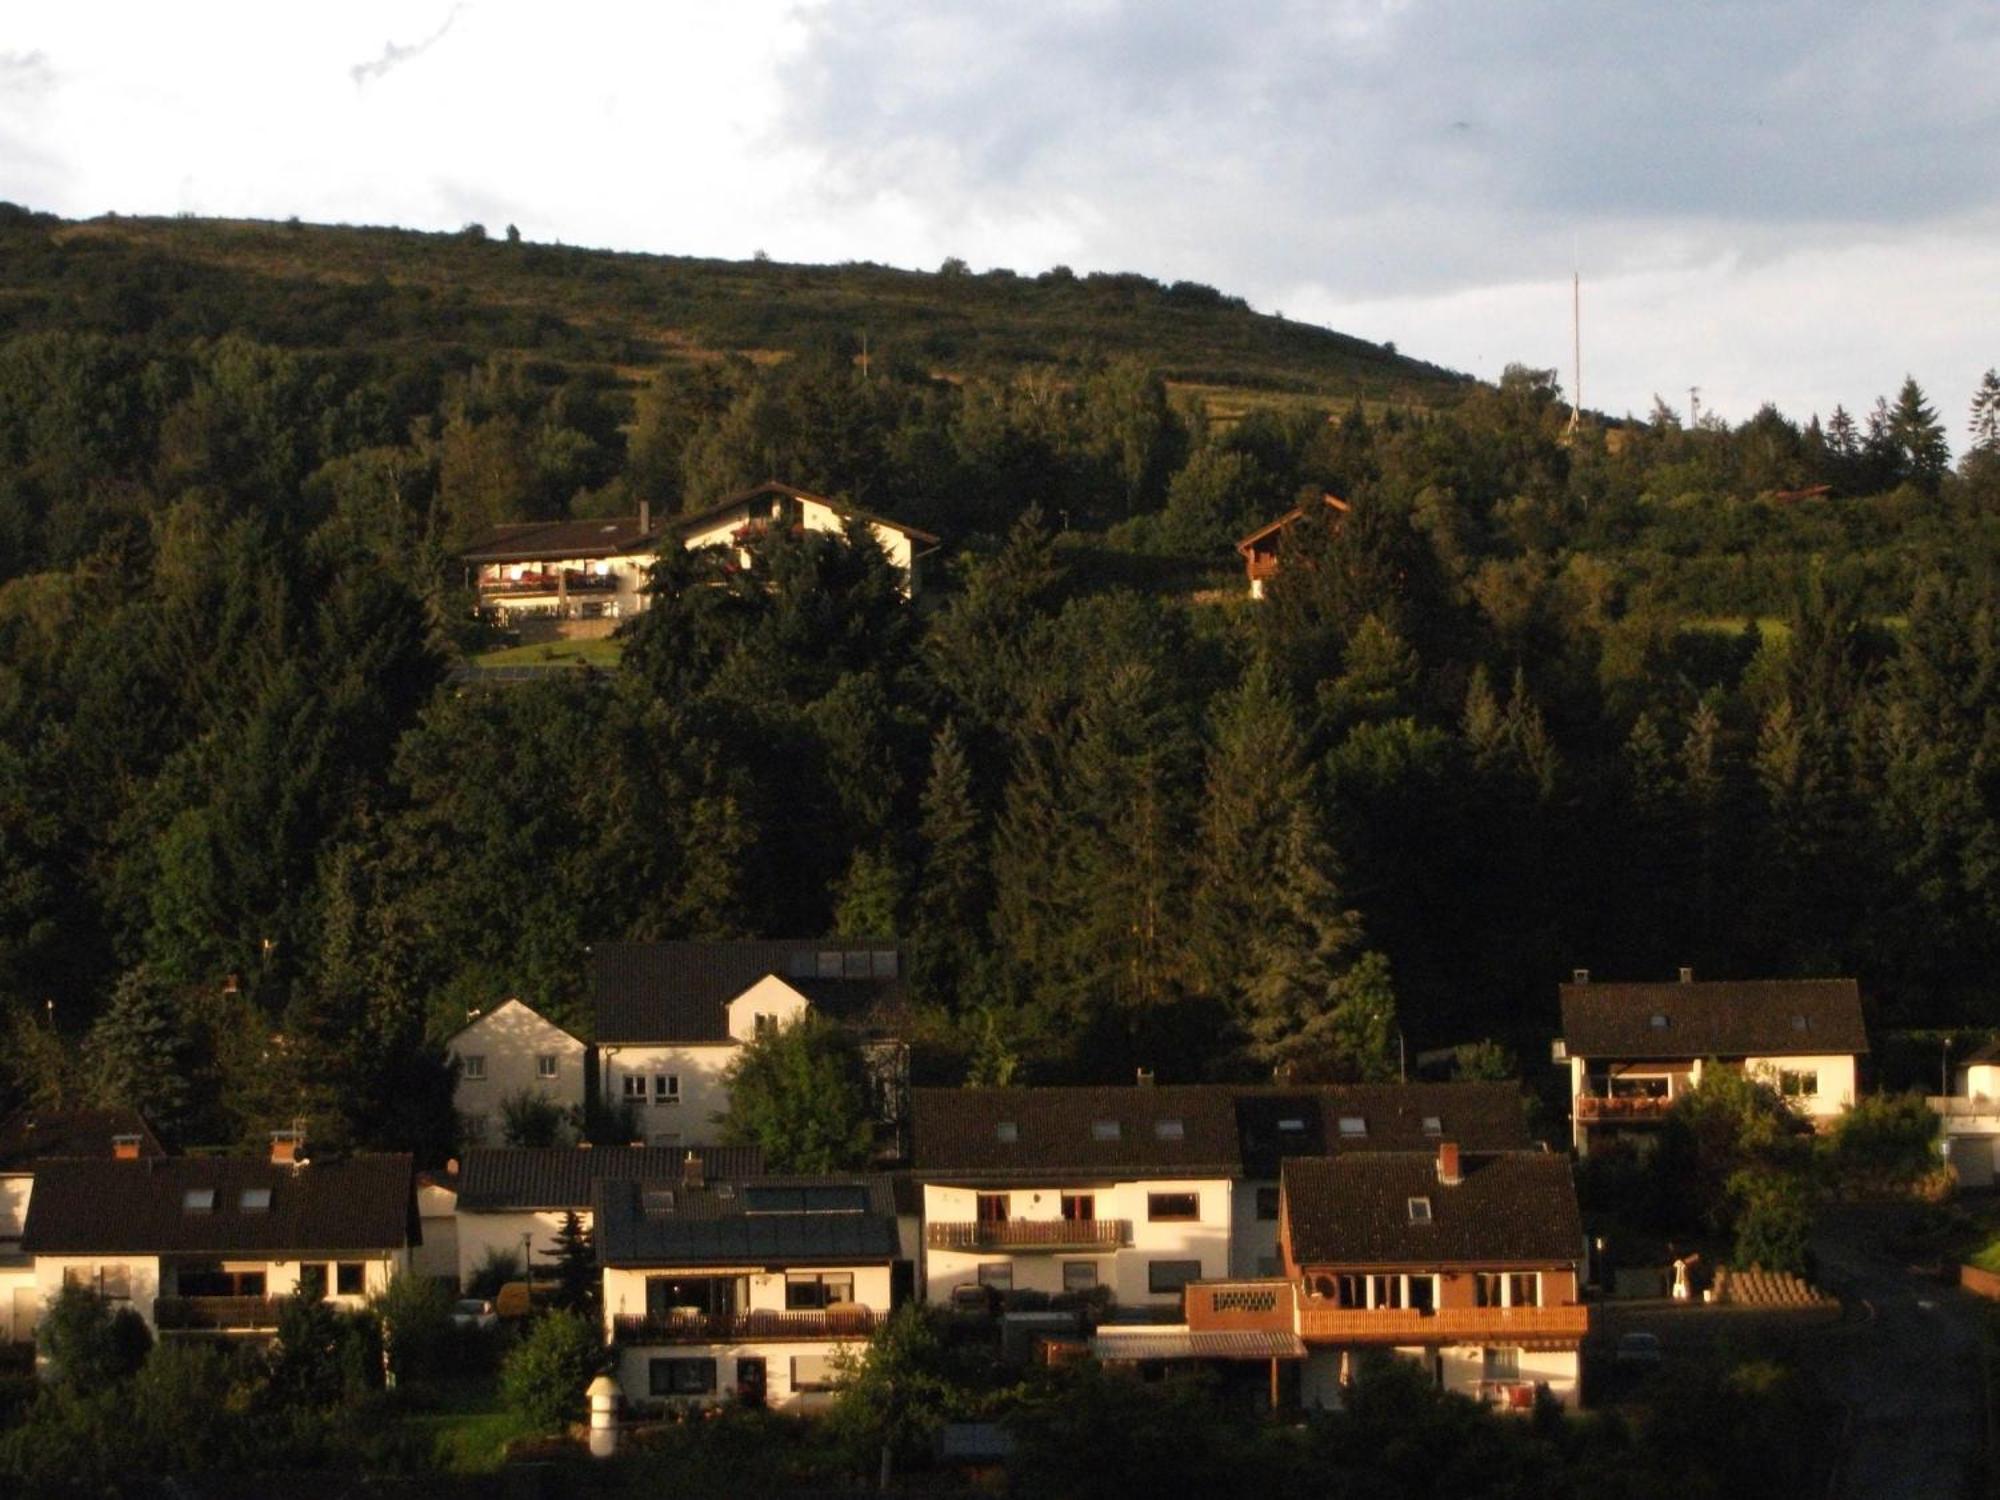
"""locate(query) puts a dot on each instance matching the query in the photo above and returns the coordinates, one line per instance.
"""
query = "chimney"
(125, 1148)
(1448, 1173)
(691, 1170)
(645, 516)
(1687, 974)
(1580, 976)
(288, 1148)
(1145, 1078)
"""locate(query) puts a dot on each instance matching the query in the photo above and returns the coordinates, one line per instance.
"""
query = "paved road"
(1910, 1374)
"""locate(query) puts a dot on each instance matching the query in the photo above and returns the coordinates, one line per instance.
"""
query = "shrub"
(1885, 1144)
(493, 1272)
(1773, 1220)
(418, 1334)
(544, 1377)
(322, 1356)
(87, 1345)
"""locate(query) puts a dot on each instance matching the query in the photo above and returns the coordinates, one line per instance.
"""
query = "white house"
(507, 1052)
(1633, 1049)
(564, 579)
(1970, 1117)
(775, 505)
(671, 1018)
(745, 1290)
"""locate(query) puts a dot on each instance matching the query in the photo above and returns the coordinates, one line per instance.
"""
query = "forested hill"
(1721, 696)
(328, 288)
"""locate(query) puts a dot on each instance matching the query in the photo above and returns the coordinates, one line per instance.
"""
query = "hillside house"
(1632, 1049)
(1970, 1118)
(507, 1052)
(210, 1244)
(782, 506)
(1263, 550)
(672, 1017)
(564, 579)
(749, 1290)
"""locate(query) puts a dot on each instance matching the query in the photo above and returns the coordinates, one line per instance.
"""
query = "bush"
(321, 1356)
(1885, 1144)
(1773, 1220)
(544, 1378)
(418, 1334)
(87, 1345)
(493, 1272)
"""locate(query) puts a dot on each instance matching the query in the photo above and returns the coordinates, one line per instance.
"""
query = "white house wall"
(898, 546)
(15, 1190)
(437, 1256)
(625, 1288)
(510, 1040)
(481, 1233)
(769, 999)
(1835, 1079)
(634, 1373)
(704, 1097)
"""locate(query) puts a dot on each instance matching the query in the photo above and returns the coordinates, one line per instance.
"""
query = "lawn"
(468, 1427)
(602, 653)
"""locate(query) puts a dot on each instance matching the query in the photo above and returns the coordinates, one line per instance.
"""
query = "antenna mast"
(1576, 352)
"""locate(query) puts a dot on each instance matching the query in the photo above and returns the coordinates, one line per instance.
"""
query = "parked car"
(1640, 1349)
(474, 1312)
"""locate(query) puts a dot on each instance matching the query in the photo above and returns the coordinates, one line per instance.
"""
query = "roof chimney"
(1449, 1174)
(125, 1147)
(691, 1170)
(1580, 976)
(1145, 1078)
(1687, 974)
(288, 1148)
(645, 516)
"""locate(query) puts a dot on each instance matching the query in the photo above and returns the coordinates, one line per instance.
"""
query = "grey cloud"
(394, 56)
(26, 72)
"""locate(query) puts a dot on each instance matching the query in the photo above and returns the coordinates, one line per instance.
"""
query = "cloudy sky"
(1788, 200)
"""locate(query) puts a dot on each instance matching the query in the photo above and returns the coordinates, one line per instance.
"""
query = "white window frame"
(666, 1088)
(472, 1067)
(634, 1088)
(547, 1065)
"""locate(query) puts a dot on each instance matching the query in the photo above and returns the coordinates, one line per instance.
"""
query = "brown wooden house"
(1263, 548)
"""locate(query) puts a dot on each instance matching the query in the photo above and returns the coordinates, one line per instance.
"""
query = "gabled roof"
(1276, 1123)
(1034, 1134)
(1721, 1018)
(96, 1207)
(676, 992)
(1288, 519)
(1513, 1208)
(700, 519)
(35, 1135)
(773, 1221)
(504, 1179)
(554, 541)
(486, 1016)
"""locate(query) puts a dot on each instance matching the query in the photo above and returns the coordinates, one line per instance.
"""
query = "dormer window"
(1007, 1132)
(1799, 1023)
(1433, 1126)
(1420, 1210)
(1105, 1130)
(1169, 1130)
(1291, 1127)
(255, 1201)
(198, 1201)
(1352, 1127)
(1658, 1021)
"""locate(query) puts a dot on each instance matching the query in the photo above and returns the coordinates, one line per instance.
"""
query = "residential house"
(672, 1017)
(1073, 1190)
(1632, 1049)
(1970, 1118)
(436, 1253)
(1263, 550)
(27, 1141)
(209, 1244)
(510, 1200)
(564, 579)
(773, 505)
(511, 1051)
(743, 1289)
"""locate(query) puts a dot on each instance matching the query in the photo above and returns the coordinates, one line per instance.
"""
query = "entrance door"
(750, 1380)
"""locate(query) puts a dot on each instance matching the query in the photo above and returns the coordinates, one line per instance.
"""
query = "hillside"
(318, 287)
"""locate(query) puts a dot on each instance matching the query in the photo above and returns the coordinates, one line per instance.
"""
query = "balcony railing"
(548, 583)
(1262, 1305)
(1404, 1325)
(1636, 1107)
(1957, 1106)
(715, 1328)
(1030, 1234)
(234, 1314)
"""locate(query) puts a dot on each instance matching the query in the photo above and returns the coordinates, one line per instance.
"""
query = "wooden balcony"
(1597, 1109)
(1263, 1305)
(1322, 1323)
(215, 1314)
(761, 1327)
(1030, 1234)
(548, 583)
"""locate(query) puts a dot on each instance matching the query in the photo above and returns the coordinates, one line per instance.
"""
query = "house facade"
(564, 579)
(672, 1017)
(211, 1244)
(782, 506)
(511, 1051)
(1633, 1049)
(1969, 1118)
(742, 1290)
(1262, 550)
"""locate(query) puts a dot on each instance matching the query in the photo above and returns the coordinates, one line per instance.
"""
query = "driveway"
(1908, 1369)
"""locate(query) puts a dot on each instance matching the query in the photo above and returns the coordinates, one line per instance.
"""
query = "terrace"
(692, 1326)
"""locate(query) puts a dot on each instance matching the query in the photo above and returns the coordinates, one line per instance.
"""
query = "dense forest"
(1633, 696)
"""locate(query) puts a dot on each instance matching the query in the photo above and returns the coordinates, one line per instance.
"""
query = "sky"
(1794, 201)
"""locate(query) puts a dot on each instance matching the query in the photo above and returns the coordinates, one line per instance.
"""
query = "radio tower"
(1576, 354)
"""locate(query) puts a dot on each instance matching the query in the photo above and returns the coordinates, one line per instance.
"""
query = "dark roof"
(676, 992)
(36, 1134)
(1288, 519)
(537, 541)
(1354, 1210)
(1986, 1054)
(97, 1207)
(1725, 1018)
(1276, 1123)
(1186, 1130)
(503, 1178)
(699, 519)
(764, 1221)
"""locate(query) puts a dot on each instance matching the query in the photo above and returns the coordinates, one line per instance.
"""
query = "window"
(680, 1377)
(255, 1201)
(1170, 1130)
(1420, 1210)
(1079, 1275)
(635, 1088)
(545, 1065)
(1351, 1290)
(1433, 1125)
(1658, 1021)
(812, 1372)
(829, 964)
(1006, 1132)
(1267, 1204)
(1423, 1293)
(763, 1025)
(1501, 1364)
(990, 1208)
(1352, 1127)
(1486, 1290)
(1167, 1277)
(1291, 1127)
(997, 1274)
(1385, 1291)
(473, 1069)
(1798, 1083)
(1524, 1289)
(198, 1201)
(882, 963)
(1105, 1130)
(657, 1203)
(1079, 1208)
(349, 1278)
(1171, 1208)
(808, 1290)
(112, 1282)
(854, 965)
(1799, 1023)
(666, 1088)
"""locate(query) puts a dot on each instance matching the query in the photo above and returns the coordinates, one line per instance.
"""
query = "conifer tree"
(575, 1254)
(1918, 437)
(140, 1053)
(1984, 427)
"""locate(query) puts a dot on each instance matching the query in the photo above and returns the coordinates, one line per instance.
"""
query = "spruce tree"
(140, 1053)
(1918, 436)
(1984, 428)
(574, 1251)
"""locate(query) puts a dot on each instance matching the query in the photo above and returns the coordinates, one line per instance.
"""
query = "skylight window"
(1170, 1130)
(657, 1202)
(1433, 1125)
(1799, 1023)
(1105, 1130)
(1353, 1127)
(198, 1201)
(1007, 1132)
(255, 1201)
(1291, 1127)
(1420, 1210)
(1659, 1021)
